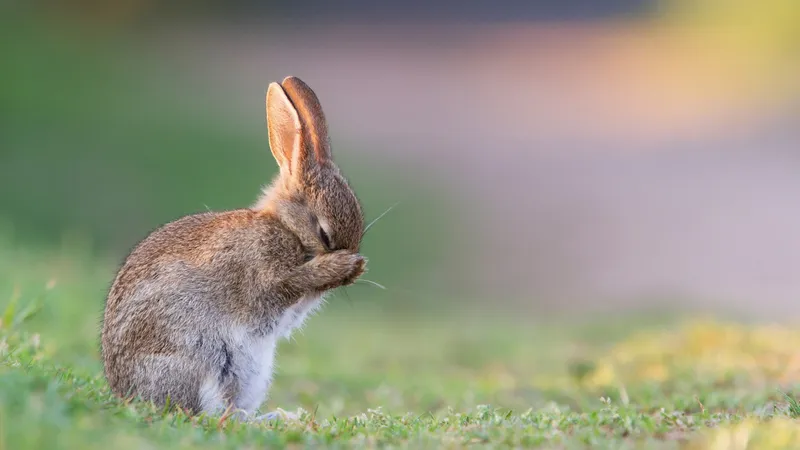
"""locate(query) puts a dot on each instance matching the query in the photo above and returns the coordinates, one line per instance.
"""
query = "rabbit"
(194, 314)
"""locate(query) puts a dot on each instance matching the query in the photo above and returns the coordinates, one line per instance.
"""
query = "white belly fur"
(254, 359)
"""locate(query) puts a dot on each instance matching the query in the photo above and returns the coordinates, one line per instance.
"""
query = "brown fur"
(188, 283)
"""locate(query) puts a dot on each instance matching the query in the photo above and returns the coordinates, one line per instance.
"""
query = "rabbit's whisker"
(378, 285)
(347, 294)
(378, 218)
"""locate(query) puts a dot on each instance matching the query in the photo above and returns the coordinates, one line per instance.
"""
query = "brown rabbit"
(196, 310)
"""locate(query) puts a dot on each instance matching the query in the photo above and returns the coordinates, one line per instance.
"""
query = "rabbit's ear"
(315, 148)
(284, 126)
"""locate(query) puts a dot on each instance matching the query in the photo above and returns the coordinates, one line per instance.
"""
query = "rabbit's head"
(309, 196)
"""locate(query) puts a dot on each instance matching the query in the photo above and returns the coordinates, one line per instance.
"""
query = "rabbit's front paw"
(343, 267)
(357, 270)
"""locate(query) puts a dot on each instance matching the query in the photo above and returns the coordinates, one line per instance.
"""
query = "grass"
(364, 375)
(394, 368)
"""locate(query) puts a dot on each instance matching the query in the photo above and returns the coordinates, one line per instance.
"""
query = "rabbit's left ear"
(284, 126)
(315, 148)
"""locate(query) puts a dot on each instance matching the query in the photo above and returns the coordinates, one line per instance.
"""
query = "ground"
(369, 376)
(108, 133)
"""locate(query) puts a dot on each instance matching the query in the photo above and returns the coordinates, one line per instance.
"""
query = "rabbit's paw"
(343, 267)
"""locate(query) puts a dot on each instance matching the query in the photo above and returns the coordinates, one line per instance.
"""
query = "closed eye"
(326, 240)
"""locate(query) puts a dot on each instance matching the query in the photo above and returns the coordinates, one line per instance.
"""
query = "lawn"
(116, 147)
(367, 375)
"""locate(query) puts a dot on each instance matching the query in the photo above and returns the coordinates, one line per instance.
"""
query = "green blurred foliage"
(101, 142)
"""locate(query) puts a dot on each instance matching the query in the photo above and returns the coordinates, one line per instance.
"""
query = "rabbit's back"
(179, 261)
(186, 290)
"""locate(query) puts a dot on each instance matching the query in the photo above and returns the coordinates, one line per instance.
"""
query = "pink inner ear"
(284, 128)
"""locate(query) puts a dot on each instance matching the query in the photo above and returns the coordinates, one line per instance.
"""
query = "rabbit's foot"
(277, 415)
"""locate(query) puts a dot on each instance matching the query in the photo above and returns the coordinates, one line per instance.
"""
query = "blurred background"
(546, 157)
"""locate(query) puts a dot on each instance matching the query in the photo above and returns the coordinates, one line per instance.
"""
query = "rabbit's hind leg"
(178, 381)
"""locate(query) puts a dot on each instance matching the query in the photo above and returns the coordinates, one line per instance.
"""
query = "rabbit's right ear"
(284, 126)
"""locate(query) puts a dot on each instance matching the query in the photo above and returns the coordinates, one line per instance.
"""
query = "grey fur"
(195, 302)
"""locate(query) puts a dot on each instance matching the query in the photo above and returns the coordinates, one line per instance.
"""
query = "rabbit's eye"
(324, 237)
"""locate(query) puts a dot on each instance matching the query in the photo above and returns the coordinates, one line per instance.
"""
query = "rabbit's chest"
(295, 316)
(257, 353)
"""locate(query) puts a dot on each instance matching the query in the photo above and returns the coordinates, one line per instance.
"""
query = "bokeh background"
(561, 157)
